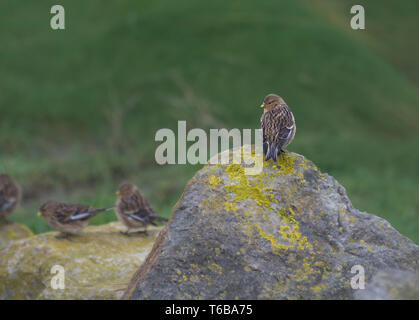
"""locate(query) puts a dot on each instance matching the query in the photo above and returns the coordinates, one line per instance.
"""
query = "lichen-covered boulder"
(391, 285)
(97, 265)
(13, 231)
(289, 232)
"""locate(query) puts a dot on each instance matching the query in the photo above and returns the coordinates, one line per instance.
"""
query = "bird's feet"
(281, 151)
(127, 233)
(144, 232)
(65, 236)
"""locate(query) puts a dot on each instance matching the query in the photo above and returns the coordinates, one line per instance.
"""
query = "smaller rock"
(391, 285)
(13, 231)
(96, 265)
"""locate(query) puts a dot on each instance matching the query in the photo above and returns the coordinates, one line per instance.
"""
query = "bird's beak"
(118, 193)
(39, 213)
(262, 105)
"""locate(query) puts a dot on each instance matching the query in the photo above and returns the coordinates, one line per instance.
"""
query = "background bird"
(133, 209)
(277, 124)
(9, 196)
(68, 218)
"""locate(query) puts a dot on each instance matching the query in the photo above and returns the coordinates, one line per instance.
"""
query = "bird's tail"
(272, 151)
(89, 214)
(156, 218)
(96, 211)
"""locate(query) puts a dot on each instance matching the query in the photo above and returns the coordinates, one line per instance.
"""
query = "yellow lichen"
(240, 186)
(271, 238)
(245, 188)
(214, 180)
(229, 206)
(286, 163)
(362, 242)
(215, 268)
(287, 218)
(318, 288)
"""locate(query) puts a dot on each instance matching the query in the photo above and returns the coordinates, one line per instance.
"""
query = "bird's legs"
(142, 231)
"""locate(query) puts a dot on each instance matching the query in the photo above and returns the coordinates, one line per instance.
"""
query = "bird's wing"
(141, 203)
(143, 215)
(282, 123)
(80, 216)
(5, 202)
(6, 205)
(67, 212)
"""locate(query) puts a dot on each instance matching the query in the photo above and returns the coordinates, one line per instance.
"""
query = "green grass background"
(79, 108)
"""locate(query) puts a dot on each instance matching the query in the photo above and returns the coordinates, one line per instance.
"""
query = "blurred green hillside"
(79, 108)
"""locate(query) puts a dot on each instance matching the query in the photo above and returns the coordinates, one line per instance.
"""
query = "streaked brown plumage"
(9, 195)
(277, 124)
(133, 209)
(68, 218)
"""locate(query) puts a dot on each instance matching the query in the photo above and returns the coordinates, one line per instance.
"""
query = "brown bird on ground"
(277, 124)
(133, 209)
(68, 218)
(9, 196)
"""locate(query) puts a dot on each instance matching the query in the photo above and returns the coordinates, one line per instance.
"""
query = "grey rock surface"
(289, 232)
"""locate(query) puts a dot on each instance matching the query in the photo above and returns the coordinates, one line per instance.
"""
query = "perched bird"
(277, 124)
(133, 209)
(68, 218)
(9, 195)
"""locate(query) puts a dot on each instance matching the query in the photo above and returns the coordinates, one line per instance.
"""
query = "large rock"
(391, 285)
(97, 265)
(289, 232)
(13, 231)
